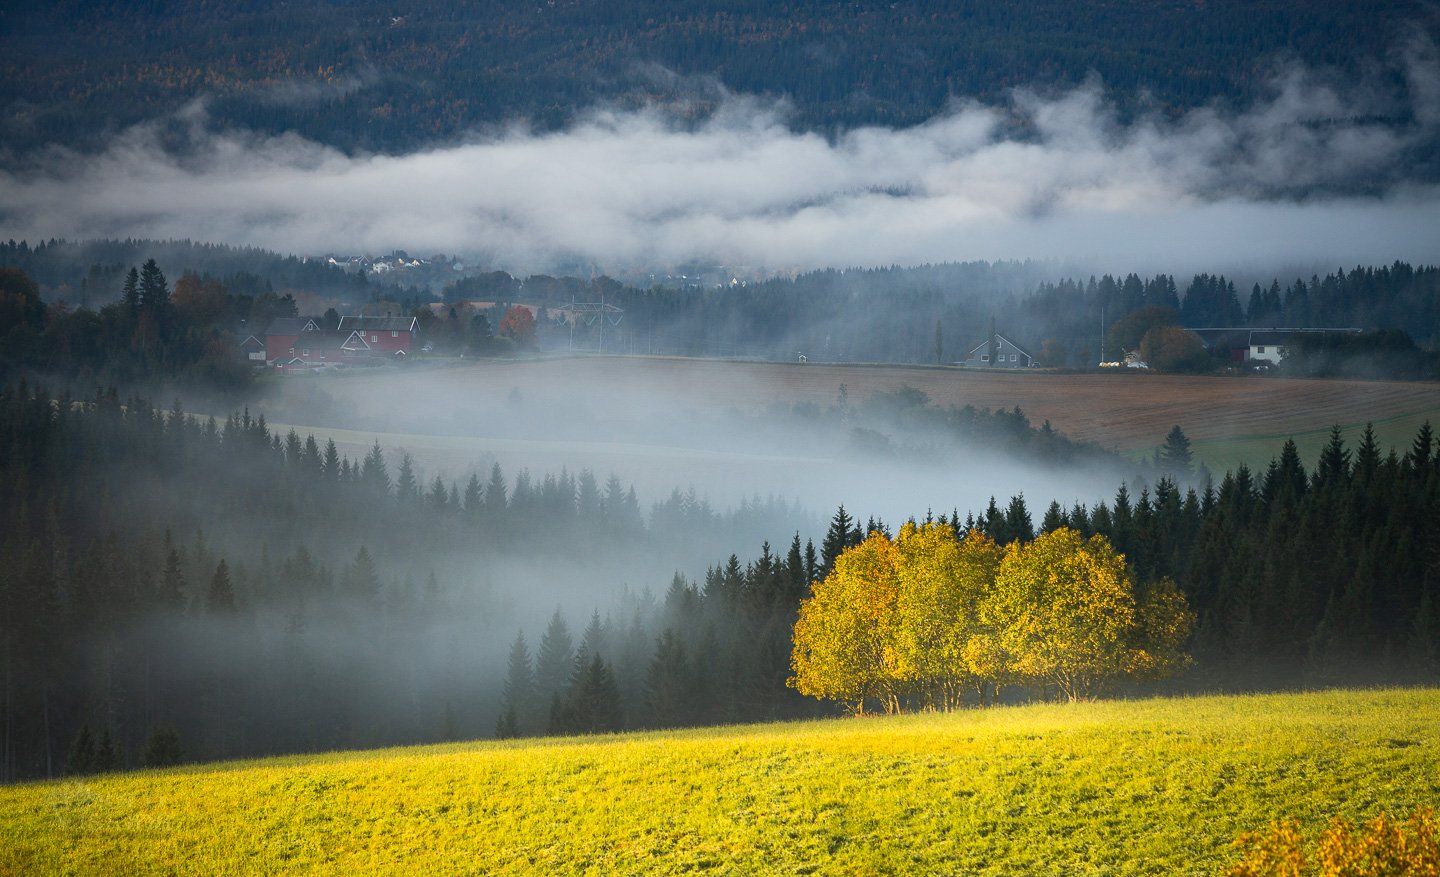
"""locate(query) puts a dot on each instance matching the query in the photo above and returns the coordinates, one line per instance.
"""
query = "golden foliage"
(925, 617)
(843, 645)
(1380, 847)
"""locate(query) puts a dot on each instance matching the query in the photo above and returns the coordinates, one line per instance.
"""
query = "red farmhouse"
(280, 338)
(392, 336)
(325, 349)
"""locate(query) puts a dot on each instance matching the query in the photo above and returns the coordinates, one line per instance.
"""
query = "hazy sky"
(1317, 171)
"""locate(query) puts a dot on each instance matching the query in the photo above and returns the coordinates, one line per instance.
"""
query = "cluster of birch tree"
(930, 620)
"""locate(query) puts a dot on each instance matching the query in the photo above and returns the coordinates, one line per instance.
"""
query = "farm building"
(1008, 355)
(1259, 345)
(322, 349)
(281, 335)
(393, 336)
(251, 350)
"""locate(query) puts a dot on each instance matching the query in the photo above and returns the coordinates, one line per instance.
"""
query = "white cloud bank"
(1275, 183)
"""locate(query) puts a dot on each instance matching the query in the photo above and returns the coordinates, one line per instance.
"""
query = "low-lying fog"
(746, 438)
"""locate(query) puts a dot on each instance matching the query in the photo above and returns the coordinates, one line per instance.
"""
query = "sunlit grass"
(1144, 787)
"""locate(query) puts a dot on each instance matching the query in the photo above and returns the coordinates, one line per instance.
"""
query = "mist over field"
(1319, 170)
(731, 433)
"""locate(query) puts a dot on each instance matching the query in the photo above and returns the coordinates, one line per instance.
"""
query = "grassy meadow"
(1142, 787)
(1225, 454)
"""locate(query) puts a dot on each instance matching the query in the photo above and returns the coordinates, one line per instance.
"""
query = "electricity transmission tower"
(592, 312)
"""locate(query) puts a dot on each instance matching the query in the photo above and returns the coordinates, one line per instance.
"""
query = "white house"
(1008, 355)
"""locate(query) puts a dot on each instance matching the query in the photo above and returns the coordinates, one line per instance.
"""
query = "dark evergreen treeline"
(400, 74)
(709, 652)
(174, 581)
(90, 273)
(149, 332)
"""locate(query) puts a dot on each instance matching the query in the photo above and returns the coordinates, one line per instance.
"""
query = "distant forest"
(395, 75)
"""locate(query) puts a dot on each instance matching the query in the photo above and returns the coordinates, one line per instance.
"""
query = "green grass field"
(1143, 787)
(1223, 455)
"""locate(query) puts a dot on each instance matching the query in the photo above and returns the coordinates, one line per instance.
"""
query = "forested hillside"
(393, 75)
(226, 590)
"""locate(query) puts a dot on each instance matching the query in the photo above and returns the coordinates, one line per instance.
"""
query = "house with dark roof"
(251, 350)
(1008, 354)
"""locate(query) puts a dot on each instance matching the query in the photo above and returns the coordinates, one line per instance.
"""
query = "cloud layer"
(1315, 172)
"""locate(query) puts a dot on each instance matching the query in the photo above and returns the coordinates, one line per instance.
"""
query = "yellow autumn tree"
(1065, 611)
(844, 643)
(942, 583)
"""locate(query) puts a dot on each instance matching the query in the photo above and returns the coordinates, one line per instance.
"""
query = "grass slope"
(1144, 787)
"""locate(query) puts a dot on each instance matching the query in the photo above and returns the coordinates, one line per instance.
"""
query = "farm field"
(1228, 418)
(1142, 787)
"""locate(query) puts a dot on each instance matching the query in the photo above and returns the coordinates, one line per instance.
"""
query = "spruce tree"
(667, 684)
(331, 467)
(163, 748)
(1054, 518)
(592, 641)
(1334, 465)
(553, 660)
(154, 291)
(495, 500)
(1018, 525)
(1175, 456)
(593, 705)
(837, 539)
(107, 756)
(1422, 448)
(795, 581)
(81, 760)
(407, 490)
(519, 695)
(508, 725)
(220, 598)
(474, 502)
(172, 582)
(130, 294)
(361, 581)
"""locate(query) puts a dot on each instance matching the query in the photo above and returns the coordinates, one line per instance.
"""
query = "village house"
(283, 332)
(1008, 355)
(1270, 346)
(390, 336)
(251, 350)
(325, 349)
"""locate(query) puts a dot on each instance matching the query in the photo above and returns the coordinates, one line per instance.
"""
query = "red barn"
(391, 336)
